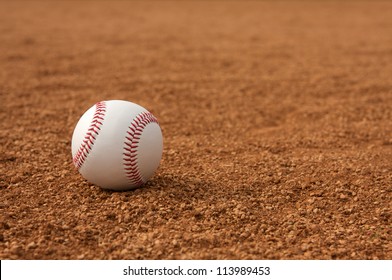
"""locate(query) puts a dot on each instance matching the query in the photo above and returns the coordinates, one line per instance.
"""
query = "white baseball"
(117, 145)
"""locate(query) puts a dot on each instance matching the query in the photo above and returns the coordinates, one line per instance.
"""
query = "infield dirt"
(277, 124)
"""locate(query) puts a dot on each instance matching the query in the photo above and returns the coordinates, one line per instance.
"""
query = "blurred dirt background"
(277, 123)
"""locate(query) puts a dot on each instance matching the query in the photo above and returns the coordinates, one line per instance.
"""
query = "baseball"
(117, 145)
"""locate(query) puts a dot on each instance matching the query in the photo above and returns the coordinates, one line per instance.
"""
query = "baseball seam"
(131, 145)
(91, 135)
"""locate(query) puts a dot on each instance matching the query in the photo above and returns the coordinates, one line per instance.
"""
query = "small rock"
(31, 245)
(50, 179)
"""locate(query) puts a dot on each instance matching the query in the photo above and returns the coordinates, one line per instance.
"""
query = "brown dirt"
(277, 123)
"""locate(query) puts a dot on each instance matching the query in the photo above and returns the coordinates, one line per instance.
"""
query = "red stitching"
(131, 145)
(91, 135)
